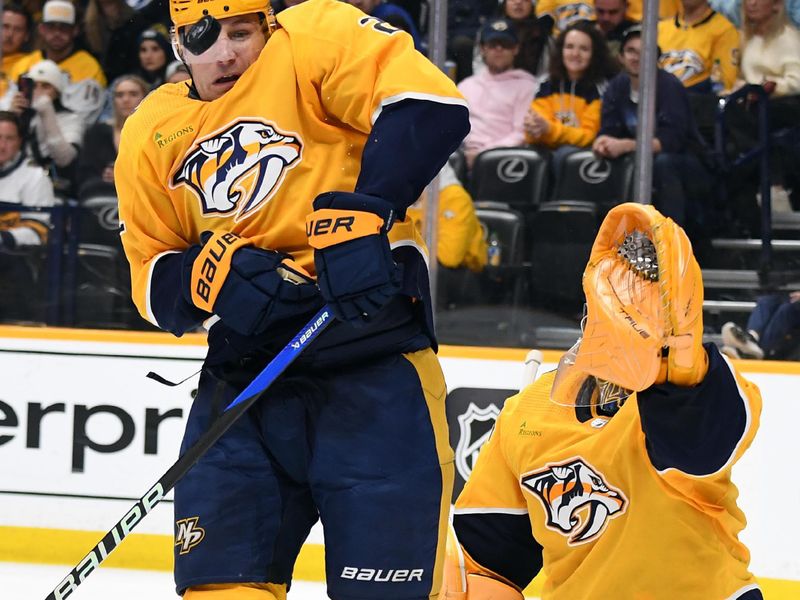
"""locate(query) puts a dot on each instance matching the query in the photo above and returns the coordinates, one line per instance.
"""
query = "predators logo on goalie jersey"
(576, 498)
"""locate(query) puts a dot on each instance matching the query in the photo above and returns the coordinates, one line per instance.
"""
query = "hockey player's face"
(217, 69)
(10, 141)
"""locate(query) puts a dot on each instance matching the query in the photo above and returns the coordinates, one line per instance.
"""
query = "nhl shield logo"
(475, 426)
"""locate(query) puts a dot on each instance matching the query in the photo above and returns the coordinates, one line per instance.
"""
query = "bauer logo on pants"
(189, 534)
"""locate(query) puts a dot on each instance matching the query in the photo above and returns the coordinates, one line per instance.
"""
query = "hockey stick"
(156, 493)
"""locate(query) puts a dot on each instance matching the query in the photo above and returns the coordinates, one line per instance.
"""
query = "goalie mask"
(573, 386)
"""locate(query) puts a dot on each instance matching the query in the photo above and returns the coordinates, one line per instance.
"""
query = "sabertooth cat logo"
(238, 169)
(188, 534)
(576, 498)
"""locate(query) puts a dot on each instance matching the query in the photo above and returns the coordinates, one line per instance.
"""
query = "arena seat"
(516, 177)
(587, 178)
(561, 236)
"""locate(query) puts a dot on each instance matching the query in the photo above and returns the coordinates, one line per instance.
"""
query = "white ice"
(34, 582)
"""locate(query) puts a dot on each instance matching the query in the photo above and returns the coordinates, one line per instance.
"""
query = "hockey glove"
(644, 297)
(249, 288)
(355, 269)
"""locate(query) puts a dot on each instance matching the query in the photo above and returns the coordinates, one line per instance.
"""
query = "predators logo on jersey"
(237, 169)
(683, 64)
(568, 14)
(577, 499)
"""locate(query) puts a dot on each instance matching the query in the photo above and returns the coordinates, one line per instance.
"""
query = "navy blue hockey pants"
(363, 447)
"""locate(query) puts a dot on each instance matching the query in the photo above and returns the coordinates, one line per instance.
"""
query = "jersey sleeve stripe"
(150, 315)
(490, 511)
(417, 96)
(412, 244)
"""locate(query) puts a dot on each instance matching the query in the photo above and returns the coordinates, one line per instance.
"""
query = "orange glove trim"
(211, 268)
(330, 226)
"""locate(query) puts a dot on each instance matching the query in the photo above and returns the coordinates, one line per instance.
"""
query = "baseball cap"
(498, 29)
(634, 31)
(47, 71)
(58, 11)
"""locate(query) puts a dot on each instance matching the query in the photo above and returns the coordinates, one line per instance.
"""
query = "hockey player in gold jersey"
(612, 474)
(274, 183)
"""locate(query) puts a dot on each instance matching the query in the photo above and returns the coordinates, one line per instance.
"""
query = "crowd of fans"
(560, 76)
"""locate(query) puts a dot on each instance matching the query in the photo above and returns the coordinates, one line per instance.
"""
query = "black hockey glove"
(355, 270)
(249, 288)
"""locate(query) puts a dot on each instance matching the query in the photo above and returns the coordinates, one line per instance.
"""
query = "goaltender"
(612, 474)
(277, 182)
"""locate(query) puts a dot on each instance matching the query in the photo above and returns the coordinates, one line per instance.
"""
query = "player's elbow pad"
(248, 288)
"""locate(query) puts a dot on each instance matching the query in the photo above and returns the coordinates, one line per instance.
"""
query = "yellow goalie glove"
(644, 303)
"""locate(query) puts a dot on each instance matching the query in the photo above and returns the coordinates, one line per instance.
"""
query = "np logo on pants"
(189, 534)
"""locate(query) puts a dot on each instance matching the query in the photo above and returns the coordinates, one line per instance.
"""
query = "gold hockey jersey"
(609, 523)
(294, 125)
(690, 51)
(565, 12)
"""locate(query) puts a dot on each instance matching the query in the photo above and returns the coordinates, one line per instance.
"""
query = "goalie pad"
(464, 579)
(644, 298)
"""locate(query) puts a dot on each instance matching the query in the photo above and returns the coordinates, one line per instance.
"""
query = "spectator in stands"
(460, 240)
(392, 14)
(154, 53)
(464, 18)
(16, 35)
(666, 9)
(499, 95)
(612, 22)
(25, 184)
(732, 10)
(535, 44)
(771, 59)
(57, 34)
(565, 114)
(55, 132)
(773, 329)
(177, 72)
(700, 47)
(95, 171)
(564, 13)
(112, 29)
(680, 181)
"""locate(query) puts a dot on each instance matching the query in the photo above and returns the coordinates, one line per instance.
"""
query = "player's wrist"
(355, 201)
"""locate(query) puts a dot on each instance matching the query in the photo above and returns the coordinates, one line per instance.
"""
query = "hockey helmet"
(189, 12)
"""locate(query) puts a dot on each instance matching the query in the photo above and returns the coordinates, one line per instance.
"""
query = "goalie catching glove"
(355, 269)
(249, 288)
(644, 298)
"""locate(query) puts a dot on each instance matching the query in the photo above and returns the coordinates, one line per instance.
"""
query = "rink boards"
(83, 433)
